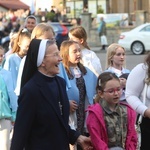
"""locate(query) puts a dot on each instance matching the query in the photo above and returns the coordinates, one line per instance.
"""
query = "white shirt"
(18, 83)
(91, 61)
(134, 88)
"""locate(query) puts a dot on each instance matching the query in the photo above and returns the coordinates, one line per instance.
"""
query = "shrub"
(50, 16)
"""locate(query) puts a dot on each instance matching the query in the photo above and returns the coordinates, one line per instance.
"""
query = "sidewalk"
(98, 49)
(95, 49)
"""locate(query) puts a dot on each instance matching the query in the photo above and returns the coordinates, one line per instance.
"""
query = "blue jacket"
(90, 85)
(12, 64)
(10, 97)
(63, 74)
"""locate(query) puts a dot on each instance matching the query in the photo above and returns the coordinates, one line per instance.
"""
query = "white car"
(137, 40)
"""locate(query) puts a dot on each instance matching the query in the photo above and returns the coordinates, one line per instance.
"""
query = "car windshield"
(147, 29)
(54, 27)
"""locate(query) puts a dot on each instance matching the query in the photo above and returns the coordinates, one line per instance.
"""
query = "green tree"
(50, 16)
(100, 10)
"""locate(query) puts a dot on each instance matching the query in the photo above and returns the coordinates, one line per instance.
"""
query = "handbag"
(139, 120)
(104, 40)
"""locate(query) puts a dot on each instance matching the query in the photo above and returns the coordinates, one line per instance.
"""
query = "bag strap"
(144, 101)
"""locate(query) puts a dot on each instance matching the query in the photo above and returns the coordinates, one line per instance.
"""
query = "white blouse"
(134, 88)
(91, 61)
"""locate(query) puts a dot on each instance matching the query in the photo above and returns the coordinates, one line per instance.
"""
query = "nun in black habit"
(43, 110)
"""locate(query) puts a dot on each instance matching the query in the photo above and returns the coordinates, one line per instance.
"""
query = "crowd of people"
(62, 99)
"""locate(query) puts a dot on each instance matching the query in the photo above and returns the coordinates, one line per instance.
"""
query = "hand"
(73, 105)
(147, 113)
(85, 142)
(12, 123)
(122, 82)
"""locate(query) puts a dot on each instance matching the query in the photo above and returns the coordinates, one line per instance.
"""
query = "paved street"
(131, 59)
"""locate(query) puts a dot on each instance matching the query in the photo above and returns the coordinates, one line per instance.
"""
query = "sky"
(39, 4)
(44, 4)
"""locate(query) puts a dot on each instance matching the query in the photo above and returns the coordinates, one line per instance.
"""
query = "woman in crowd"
(89, 58)
(30, 23)
(8, 105)
(115, 59)
(115, 62)
(43, 109)
(45, 31)
(82, 91)
(20, 48)
(139, 76)
(111, 124)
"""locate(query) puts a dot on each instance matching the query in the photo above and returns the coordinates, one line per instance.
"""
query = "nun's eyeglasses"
(57, 54)
(53, 39)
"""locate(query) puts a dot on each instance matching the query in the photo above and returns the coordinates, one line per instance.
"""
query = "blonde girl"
(116, 62)
(19, 50)
(115, 58)
(43, 31)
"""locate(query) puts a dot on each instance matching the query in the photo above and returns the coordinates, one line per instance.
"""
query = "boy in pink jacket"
(111, 124)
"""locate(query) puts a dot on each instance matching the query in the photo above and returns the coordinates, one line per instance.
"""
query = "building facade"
(75, 7)
(132, 7)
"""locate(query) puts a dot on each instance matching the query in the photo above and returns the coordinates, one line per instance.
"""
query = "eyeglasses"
(57, 54)
(52, 39)
(112, 91)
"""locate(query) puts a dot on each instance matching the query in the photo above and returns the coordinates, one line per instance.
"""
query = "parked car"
(137, 39)
(61, 31)
(5, 43)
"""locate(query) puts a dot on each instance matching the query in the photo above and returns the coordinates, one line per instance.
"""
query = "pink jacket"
(97, 129)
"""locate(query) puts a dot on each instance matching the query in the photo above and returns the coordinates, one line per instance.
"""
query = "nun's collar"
(46, 75)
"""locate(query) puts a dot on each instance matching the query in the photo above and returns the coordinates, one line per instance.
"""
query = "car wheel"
(137, 48)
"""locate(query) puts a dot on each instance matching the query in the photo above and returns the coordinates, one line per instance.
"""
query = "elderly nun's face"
(51, 60)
